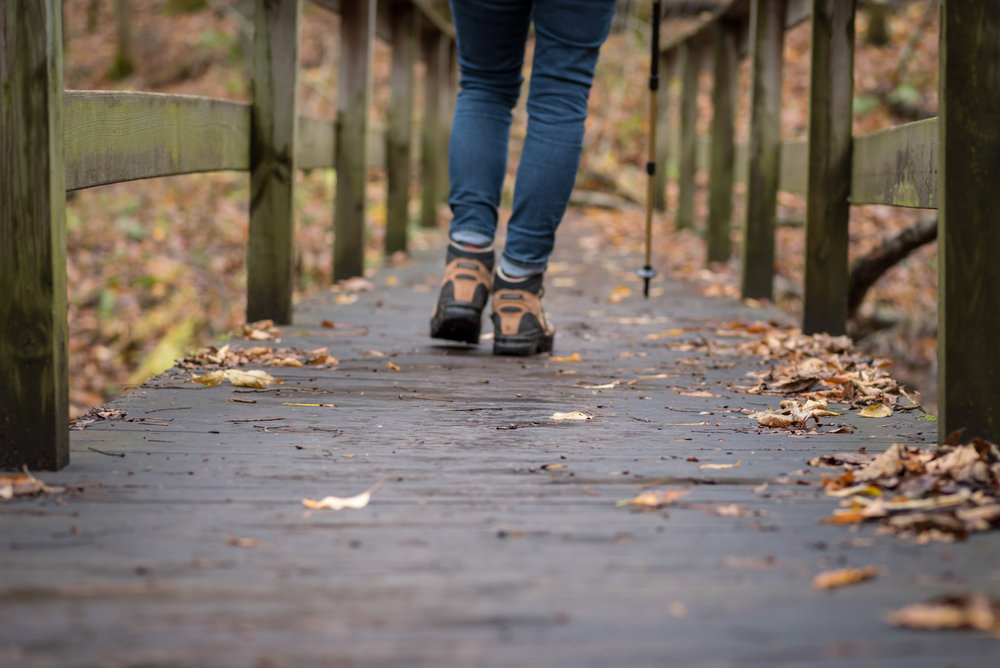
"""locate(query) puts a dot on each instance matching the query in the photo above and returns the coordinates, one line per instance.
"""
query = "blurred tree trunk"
(93, 9)
(124, 63)
(878, 26)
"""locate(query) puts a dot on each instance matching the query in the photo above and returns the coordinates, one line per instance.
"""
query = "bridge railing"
(951, 163)
(53, 141)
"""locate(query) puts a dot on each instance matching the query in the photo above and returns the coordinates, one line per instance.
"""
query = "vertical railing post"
(969, 220)
(767, 46)
(433, 172)
(689, 64)
(720, 188)
(354, 91)
(34, 381)
(667, 60)
(400, 120)
(831, 92)
(273, 121)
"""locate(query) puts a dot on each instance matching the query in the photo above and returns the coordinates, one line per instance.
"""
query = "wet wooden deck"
(496, 539)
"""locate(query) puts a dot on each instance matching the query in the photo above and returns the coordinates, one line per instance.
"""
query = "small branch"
(109, 454)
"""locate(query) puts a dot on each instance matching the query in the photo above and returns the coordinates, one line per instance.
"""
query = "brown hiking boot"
(468, 279)
(520, 327)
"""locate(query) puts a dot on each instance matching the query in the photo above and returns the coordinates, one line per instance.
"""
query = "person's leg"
(568, 37)
(491, 36)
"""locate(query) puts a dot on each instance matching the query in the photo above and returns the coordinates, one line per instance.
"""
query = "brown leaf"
(844, 576)
(976, 611)
(876, 411)
(656, 499)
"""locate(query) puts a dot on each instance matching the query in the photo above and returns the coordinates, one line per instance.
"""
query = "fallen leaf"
(977, 611)
(574, 415)
(356, 284)
(618, 293)
(876, 411)
(374, 353)
(242, 542)
(340, 503)
(347, 298)
(287, 361)
(255, 378)
(391, 366)
(722, 466)
(844, 576)
(655, 499)
(209, 379)
(329, 324)
(575, 357)
(604, 386)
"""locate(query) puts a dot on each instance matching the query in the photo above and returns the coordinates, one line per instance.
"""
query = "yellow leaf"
(722, 466)
(209, 379)
(340, 503)
(876, 411)
(843, 576)
(574, 415)
(256, 378)
(288, 403)
(288, 361)
(575, 357)
(391, 366)
(655, 499)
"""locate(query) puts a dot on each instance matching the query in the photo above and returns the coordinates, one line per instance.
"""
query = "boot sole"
(457, 323)
(521, 346)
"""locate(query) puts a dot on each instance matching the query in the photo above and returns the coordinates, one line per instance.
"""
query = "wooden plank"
(689, 66)
(969, 223)
(764, 165)
(357, 40)
(400, 122)
(663, 134)
(831, 91)
(433, 169)
(34, 395)
(113, 136)
(794, 159)
(897, 166)
(720, 188)
(271, 244)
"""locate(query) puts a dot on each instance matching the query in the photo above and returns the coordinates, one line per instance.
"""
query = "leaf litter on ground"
(340, 503)
(943, 494)
(952, 611)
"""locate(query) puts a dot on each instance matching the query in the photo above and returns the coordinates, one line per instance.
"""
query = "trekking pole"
(647, 272)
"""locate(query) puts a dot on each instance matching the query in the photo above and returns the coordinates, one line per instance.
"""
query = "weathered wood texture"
(433, 166)
(398, 139)
(34, 396)
(764, 166)
(689, 65)
(720, 189)
(113, 136)
(354, 86)
(273, 118)
(897, 166)
(831, 91)
(969, 220)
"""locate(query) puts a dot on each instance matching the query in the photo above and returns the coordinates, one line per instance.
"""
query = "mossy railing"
(53, 141)
(951, 163)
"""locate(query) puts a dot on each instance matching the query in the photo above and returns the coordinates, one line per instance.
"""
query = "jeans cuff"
(472, 237)
(516, 269)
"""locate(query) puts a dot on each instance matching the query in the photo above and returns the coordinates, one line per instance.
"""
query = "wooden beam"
(271, 244)
(357, 40)
(831, 91)
(689, 66)
(897, 166)
(663, 131)
(764, 165)
(115, 136)
(720, 189)
(400, 123)
(34, 394)
(434, 170)
(969, 222)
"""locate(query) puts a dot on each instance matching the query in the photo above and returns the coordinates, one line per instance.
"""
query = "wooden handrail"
(55, 141)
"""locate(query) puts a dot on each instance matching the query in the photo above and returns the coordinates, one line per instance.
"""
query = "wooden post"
(273, 120)
(34, 394)
(689, 60)
(433, 172)
(831, 91)
(969, 220)
(768, 40)
(449, 97)
(663, 134)
(354, 86)
(400, 121)
(720, 190)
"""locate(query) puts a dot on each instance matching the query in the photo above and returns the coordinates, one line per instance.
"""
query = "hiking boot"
(520, 327)
(468, 278)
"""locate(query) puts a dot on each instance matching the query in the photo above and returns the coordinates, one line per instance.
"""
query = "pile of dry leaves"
(942, 494)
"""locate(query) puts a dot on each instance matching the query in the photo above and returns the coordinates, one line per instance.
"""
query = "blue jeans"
(491, 37)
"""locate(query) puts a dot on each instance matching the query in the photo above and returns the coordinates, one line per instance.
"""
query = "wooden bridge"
(177, 536)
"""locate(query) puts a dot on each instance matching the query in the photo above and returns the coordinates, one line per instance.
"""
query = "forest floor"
(156, 267)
